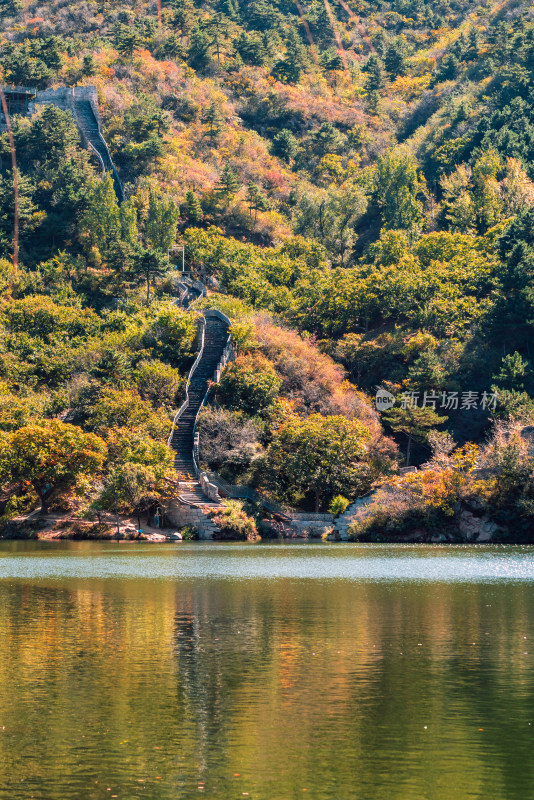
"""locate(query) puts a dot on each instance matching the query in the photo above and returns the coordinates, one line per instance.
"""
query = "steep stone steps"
(90, 128)
(180, 514)
(182, 440)
(351, 514)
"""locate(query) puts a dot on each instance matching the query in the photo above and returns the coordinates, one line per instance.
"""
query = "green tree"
(101, 222)
(171, 335)
(395, 58)
(321, 456)
(218, 27)
(398, 186)
(285, 146)
(374, 82)
(88, 65)
(415, 423)
(251, 48)
(126, 39)
(199, 55)
(289, 68)
(511, 315)
(249, 384)
(29, 215)
(149, 264)
(447, 69)
(331, 60)
(105, 409)
(228, 182)
(158, 382)
(193, 209)
(54, 457)
(230, 8)
(132, 485)
(256, 200)
(183, 15)
(128, 222)
(214, 120)
(515, 373)
(162, 219)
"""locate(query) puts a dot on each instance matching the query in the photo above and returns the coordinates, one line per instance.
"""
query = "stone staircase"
(352, 512)
(181, 512)
(182, 440)
(189, 292)
(89, 125)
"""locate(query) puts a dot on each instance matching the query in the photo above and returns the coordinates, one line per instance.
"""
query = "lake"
(269, 671)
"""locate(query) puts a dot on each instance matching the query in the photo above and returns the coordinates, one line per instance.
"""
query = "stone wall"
(64, 98)
(181, 514)
(307, 524)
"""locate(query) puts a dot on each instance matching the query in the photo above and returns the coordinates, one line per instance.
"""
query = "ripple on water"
(300, 561)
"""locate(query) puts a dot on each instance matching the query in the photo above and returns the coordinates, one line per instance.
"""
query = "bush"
(189, 533)
(338, 505)
(234, 523)
(158, 382)
(229, 441)
(250, 384)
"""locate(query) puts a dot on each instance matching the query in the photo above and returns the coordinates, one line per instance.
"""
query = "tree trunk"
(147, 288)
(317, 501)
(408, 449)
(43, 497)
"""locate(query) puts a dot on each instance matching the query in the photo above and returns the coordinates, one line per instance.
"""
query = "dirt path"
(55, 525)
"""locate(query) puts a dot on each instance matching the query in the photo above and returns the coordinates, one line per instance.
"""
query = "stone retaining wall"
(181, 514)
(302, 524)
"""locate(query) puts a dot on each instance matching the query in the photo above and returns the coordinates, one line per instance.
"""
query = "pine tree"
(128, 222)
(88, 65)
(214, 120)
(251, 48)
(218, 28)
(101, 222)
(149, 264)
(256, 200)
(184, 15)
(199, 50)
(289, 69)
(126, 39)
(395, 58)
(230, 8)
(375, 76)
(374, 82)
(228, 182)
(163, 215)
(285, 145)
(447, 69)
(193, 209)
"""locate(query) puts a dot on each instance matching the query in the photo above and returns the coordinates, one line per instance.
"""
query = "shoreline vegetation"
(356, 192)
(463, 495)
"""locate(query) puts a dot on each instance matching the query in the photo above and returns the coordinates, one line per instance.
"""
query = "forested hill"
(358, 172)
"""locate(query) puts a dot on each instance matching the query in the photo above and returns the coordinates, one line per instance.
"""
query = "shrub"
(309, 377)
(234, 523)
(316, 457)
(229, 440)
(189, 533)
(158, 382)
(338, 505)
(250, 384)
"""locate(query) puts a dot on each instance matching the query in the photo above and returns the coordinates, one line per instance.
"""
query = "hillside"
(354, 181)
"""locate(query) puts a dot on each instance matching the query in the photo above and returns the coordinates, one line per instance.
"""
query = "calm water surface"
(334, 672)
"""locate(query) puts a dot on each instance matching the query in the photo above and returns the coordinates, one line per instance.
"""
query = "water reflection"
(343, 688)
